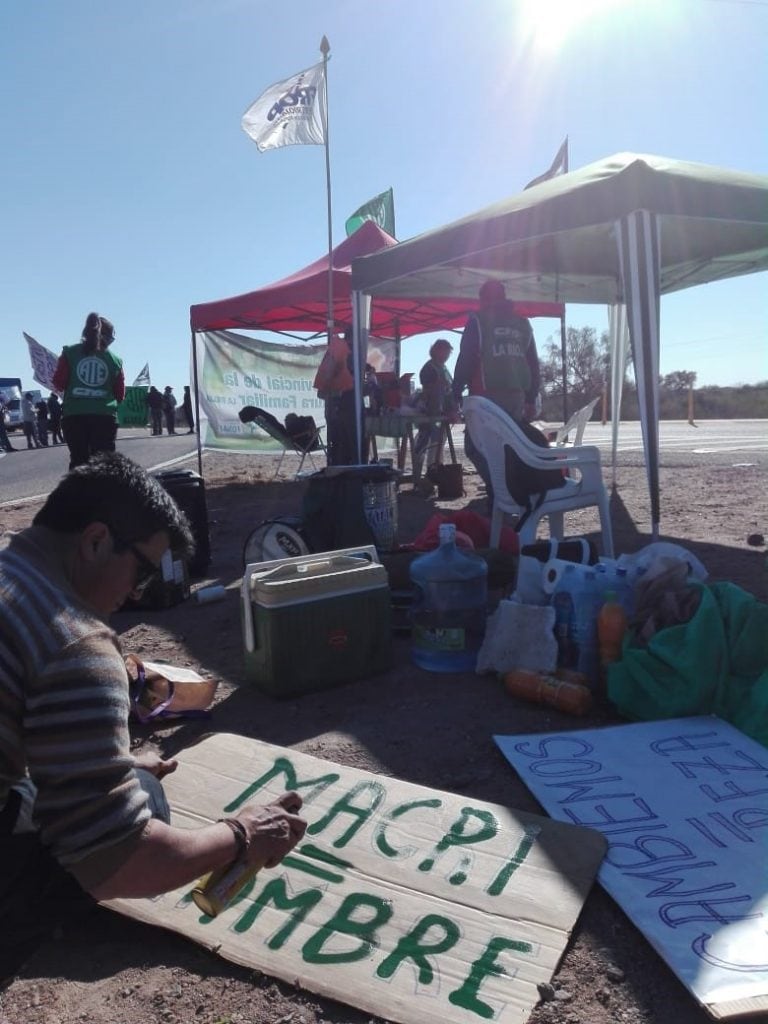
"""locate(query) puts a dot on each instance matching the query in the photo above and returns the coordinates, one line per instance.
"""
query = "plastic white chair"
(577, 423)
(492, 430)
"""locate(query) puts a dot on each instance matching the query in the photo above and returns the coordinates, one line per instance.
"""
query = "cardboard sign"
(683, 804)
(413, 904)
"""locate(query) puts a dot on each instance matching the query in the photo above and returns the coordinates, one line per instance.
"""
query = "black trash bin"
(348, 505)
(187, 489)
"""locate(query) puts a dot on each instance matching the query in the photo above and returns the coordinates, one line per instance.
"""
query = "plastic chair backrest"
(492, 430)
(577, 423)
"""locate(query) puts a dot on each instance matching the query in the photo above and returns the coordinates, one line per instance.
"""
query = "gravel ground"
(109, 970)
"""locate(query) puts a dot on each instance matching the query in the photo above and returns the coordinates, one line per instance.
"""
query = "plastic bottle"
(611, 627)
(562, 602)
(622, 588)
(449, 606)
(586, 604)
(207, 595)
(574, 698)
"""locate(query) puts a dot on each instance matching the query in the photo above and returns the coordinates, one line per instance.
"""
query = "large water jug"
(449, 606)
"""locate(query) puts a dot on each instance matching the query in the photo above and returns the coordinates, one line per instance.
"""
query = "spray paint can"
(216, 890)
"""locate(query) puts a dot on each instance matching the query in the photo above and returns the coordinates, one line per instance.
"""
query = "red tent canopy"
(299, 303)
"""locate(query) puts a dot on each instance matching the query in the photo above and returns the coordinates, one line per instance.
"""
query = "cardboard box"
(315, 621)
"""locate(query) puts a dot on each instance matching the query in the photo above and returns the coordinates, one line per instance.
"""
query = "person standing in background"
(91, 379)
(29, 420)
(54, 417)
(497, 360)
(187, 407)
(155, 403)
(335, 384)
(7, 446)
(41, 413)
(436, 400)
(169, 409)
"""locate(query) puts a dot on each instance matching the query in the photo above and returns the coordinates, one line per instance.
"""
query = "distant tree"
(680, 380)
(588, 361)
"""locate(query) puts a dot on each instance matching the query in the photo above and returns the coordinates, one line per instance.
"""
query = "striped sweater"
(64, 707)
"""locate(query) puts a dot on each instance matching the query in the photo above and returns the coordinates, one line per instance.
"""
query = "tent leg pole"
(565, 367)
(197, 404)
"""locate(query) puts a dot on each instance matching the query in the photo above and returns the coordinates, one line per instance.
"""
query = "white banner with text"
(683, 804)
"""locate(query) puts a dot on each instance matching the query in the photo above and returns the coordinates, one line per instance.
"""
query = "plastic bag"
(658, 556)
(159, 690)
(518, 636)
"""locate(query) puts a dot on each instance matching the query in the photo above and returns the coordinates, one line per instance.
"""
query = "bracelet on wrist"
(238, 831)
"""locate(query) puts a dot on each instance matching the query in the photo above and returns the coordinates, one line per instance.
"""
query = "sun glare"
(547, 24)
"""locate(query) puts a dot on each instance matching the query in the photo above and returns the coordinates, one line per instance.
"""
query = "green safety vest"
(91, 384)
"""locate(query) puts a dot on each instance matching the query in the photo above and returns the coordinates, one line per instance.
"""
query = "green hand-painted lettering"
(342, 923)
(523, 849)
(466, 996)
(284, 767)
(397, 812)
(411, 947)
(457, 834)
(275, 892)
(372, 794)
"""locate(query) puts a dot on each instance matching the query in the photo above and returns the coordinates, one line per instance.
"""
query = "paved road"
(26, 474)
(709, 437)
(725, 442)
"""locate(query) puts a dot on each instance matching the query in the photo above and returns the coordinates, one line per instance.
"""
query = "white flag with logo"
(143, 381)
(43, 362)
(290, 112)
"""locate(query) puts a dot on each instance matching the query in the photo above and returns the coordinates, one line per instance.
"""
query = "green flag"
(381, 209)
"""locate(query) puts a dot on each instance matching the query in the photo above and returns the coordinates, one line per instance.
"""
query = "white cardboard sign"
(683, 804)
(414, 904)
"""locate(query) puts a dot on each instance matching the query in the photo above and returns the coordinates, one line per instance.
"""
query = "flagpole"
(325, 48)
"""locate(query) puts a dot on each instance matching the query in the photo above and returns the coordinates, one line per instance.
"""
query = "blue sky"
(128, 186)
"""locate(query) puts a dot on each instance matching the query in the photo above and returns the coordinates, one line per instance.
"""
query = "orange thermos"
(573, 697)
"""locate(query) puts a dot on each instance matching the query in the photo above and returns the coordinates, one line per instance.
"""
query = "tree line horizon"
(588, 363)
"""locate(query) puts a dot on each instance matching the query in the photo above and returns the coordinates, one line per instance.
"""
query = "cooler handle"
(307, 568)
(245, 596)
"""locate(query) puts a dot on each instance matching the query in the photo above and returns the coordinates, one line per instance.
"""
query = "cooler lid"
(322, 576)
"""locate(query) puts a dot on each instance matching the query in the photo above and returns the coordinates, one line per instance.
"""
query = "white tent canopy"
(622, 231)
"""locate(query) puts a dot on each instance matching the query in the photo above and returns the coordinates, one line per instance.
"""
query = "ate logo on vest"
(92, 372)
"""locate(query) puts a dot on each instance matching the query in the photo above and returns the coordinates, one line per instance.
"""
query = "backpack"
(529, 486)
(302, 431)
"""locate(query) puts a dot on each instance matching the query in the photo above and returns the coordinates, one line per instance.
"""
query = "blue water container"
(449, 606)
